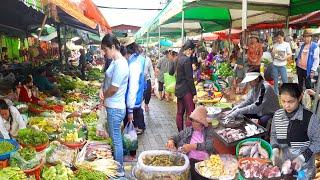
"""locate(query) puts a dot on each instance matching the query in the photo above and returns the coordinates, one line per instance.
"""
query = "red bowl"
(38, 148)
(74, 145)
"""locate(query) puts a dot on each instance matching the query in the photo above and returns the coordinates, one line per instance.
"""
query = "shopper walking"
(281, 52)
(149, 77)
(114, 90)
(307, 60)
(162, 67)
(185, 89)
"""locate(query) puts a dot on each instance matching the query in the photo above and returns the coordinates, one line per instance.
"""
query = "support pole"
(42, 26)
(59, 43)
(148, 40)
(244, 25)
(65, 46)
(159, 28)
(182, 28)
(287, 23)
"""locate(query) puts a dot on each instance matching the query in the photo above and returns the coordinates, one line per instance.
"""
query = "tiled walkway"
(160, 125)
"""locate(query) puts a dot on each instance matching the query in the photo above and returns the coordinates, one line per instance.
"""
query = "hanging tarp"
(225, 12)
(91, 11)
(72, 9)
(17, 17)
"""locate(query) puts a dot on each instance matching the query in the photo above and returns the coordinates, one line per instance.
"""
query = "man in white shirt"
(281, 52)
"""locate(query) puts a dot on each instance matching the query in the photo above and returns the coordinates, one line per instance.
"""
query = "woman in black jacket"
(185, 88)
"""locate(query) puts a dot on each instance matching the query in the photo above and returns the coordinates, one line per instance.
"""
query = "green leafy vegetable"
(5, 147)
(32, 137)
(86, 174)
(12, 173)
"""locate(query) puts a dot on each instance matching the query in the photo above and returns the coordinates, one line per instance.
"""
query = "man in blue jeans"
(281, 52)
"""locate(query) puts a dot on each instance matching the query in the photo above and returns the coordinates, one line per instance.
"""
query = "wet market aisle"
(160, 125)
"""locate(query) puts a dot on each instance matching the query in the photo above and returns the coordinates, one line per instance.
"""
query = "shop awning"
(16, 17)
(228, 12)
(71, 9)
(91, 11)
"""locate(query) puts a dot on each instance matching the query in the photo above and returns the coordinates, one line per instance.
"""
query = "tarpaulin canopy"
(295, 22)
(91, 11)
(16, 17)
(225, 12)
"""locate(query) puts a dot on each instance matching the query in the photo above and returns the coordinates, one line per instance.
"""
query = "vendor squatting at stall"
(10, 121)
(295, 132)
(261, 101)
(196, 140)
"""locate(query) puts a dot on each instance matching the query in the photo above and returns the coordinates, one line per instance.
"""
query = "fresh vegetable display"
(27, 153)
(12, 173)
(92, 135)
(57, 172)
(72, 134)
(163, 160)
(225, 70)
(87, 174)
(42, 124)
(95, 74)
(5, 147)
(25, 158)
(90, 118)
(32, 137)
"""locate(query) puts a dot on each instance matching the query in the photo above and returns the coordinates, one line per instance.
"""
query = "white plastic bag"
(102, 120)
(130, 137)
(306, 101)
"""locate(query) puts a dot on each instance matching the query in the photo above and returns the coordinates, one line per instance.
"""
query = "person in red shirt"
(25, 92)
(254, 52)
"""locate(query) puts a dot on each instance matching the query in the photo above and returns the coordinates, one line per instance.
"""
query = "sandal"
(139, 131)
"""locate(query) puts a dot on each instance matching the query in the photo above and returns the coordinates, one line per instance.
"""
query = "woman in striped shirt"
(295, 132)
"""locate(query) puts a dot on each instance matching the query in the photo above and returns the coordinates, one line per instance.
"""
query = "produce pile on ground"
(57, 172)
(12, 173)
(87, 174)
(163, 160)
(95, 74)
(71, 120)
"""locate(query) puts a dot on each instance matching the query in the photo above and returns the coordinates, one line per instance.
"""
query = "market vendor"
(260, 103)
(26, 92)
(196, 141)
(295, 132)
(10, 121)
(42, 82)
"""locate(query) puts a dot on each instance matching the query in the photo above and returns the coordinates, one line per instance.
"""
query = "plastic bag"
(130, 138)
(16, 160)
(306, 101)
(58, 153)
(169, 83)
(146, 172)
(102, 124)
